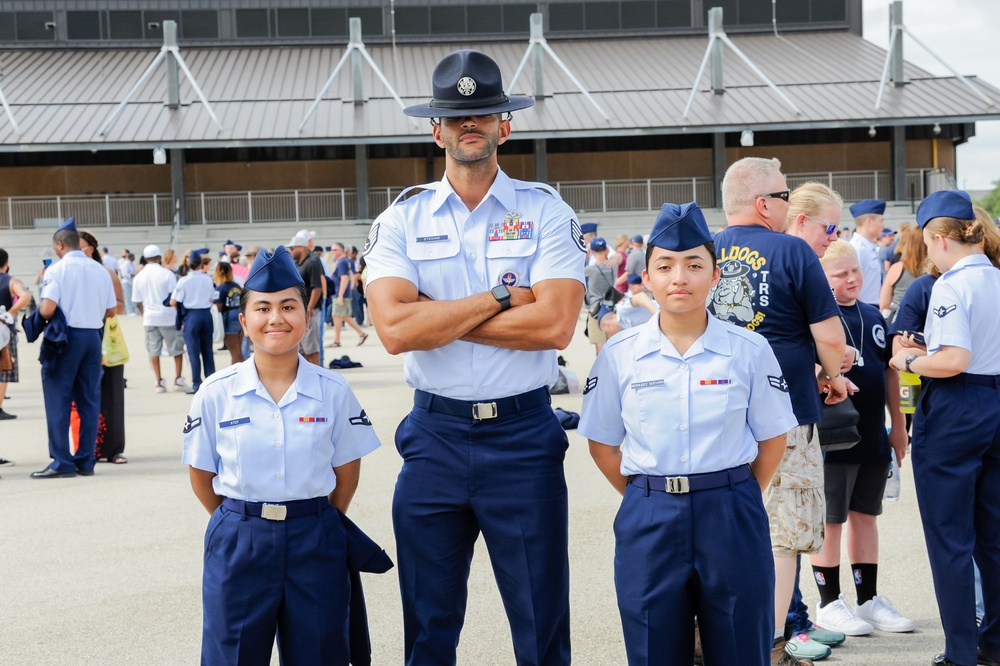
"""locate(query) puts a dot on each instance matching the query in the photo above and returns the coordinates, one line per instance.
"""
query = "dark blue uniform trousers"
(263, 576)
(503, 477)
(198, 338)
(707, 554)
(956, 470)
(74, 377)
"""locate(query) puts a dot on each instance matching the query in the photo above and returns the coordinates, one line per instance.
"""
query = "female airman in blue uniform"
(686, 417)
(275, 444)
(956, 428)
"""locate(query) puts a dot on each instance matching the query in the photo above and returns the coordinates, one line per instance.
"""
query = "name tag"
(636, 386)
(234, 422)
(431, 239)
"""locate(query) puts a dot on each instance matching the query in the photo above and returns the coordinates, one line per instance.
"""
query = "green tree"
(992, 200)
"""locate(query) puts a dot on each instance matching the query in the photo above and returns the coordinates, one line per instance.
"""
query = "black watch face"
(501, 293)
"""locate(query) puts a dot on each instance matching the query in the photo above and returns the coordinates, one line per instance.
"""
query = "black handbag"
(838, 430)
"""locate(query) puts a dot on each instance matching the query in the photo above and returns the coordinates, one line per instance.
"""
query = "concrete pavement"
(106, 570)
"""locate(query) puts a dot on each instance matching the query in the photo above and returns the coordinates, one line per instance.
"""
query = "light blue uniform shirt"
(195, 291)
(266, 452)
(871, 269)
(518, 235)
(704, 411)
(629, 314)
(82, 289)
(953, 322)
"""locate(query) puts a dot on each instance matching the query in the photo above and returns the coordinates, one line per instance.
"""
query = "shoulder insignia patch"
(371, 240)
(361, 419)
(942, 311)
(577, 233)
(778, 383)
(191, 424)
(590, 385)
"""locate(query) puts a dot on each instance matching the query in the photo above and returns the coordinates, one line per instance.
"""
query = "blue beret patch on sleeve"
(590, 385)
(778, 383)
(191, 424)
(361, 419)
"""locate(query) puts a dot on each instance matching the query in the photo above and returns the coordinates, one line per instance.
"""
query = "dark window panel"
(677, 13)
(566, 17)
(81, 25)
(31, 27)
(448, 20)
(7, 31)
(371, 20)
(158, 17)
(638, 15)
(200, 24)
(412, 21)
(757, 12)
(602, 16)
(252, 23)
(794, 12)
(829, 10)
(329, 22)
(485, 19)
(293, 22)
(516, 18)
(125, 25)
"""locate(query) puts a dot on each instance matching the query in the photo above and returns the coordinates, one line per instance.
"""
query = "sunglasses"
(830, 228)
(783, 195)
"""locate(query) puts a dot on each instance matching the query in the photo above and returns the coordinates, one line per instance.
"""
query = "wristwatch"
(909, 359)
(502, 294)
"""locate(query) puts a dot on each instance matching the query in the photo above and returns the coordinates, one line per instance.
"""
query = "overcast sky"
(962, 33)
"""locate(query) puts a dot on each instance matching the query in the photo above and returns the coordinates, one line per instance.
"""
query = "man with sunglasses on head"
(478, 279)
(772, 283)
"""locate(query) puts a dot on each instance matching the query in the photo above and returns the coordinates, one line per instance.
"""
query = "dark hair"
(4, 257)
(710, 246)
(67, 237)
(246, 293)
(92, 242)
(194, 262)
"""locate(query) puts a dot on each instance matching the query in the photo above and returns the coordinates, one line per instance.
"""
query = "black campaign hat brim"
(428, 110)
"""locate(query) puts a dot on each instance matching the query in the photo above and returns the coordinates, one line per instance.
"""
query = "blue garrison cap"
(634, 278)
(273, 272)
(679, 227)
(229, 242)
(868, 207)
(598, 244)
(588, 228)
(199, 252)
(68, 225)
(945, 203)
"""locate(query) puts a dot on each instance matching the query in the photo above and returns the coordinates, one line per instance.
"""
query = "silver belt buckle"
(273, 511)
(484, 410)
(677, 485)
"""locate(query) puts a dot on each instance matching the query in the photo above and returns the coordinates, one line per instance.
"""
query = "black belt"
(278, 510)
(678, 485)
(479, 411)
(968, 378)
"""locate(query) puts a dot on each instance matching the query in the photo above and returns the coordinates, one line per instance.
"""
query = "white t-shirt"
(151, 287)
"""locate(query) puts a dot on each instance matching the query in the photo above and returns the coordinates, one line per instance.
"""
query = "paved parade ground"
(107, 569)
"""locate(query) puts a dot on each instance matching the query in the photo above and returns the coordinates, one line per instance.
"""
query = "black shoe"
(49, 473)
(6, 416)
(985, 660)
(85, 472)
(6, 463)
(941, 660)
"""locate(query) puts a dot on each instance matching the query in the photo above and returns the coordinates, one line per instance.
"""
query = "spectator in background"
(14, 297)
(636, 307)
(600, 283)
(227, 300)
(170, 261)
(232, 251)
(311, 269)
(343, 274)
(108, 261)
(911, 265)
(196, 293)
(151, 288)
(621, 248)
(126, 272)
(357, 287)
(885, 245)
(869, 218)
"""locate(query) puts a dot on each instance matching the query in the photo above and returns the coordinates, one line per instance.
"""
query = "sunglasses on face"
(830, 228)
(783, 195)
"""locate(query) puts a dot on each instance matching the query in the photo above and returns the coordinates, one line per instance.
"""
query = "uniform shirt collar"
(306, 382)
(75, 254)
(651, 339)
(502, 190)
(966, 262)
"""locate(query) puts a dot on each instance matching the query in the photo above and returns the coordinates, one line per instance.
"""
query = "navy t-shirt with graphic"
(772, 283)
(344, 267)
(865, 329)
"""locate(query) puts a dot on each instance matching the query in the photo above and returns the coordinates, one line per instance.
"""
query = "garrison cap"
(679, 227)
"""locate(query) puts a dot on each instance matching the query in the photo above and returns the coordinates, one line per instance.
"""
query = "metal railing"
(601, 196)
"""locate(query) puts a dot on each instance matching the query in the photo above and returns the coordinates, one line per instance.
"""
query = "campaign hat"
(467, 83)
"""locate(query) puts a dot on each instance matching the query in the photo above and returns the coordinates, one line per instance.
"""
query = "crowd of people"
(720, 360)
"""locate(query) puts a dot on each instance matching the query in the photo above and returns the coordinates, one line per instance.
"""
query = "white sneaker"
(180, 386)
(881, 614)
(161, 386)
(837, 616)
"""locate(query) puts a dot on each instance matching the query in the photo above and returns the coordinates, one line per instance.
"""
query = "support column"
(898, 168)
(541, 161)
(177, 190)
(361, 178)
(718, 166)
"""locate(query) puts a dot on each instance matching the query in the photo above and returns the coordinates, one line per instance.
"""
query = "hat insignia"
(466, 86)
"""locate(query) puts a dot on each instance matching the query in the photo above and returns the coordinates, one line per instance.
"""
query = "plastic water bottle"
(892, 483)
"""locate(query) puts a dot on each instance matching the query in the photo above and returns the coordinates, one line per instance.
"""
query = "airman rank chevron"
(313, 419)
(590, 385)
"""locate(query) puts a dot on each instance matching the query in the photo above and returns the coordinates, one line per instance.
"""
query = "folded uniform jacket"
(363, 554)
(56, 336)
(344, 362)
(568, 420)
